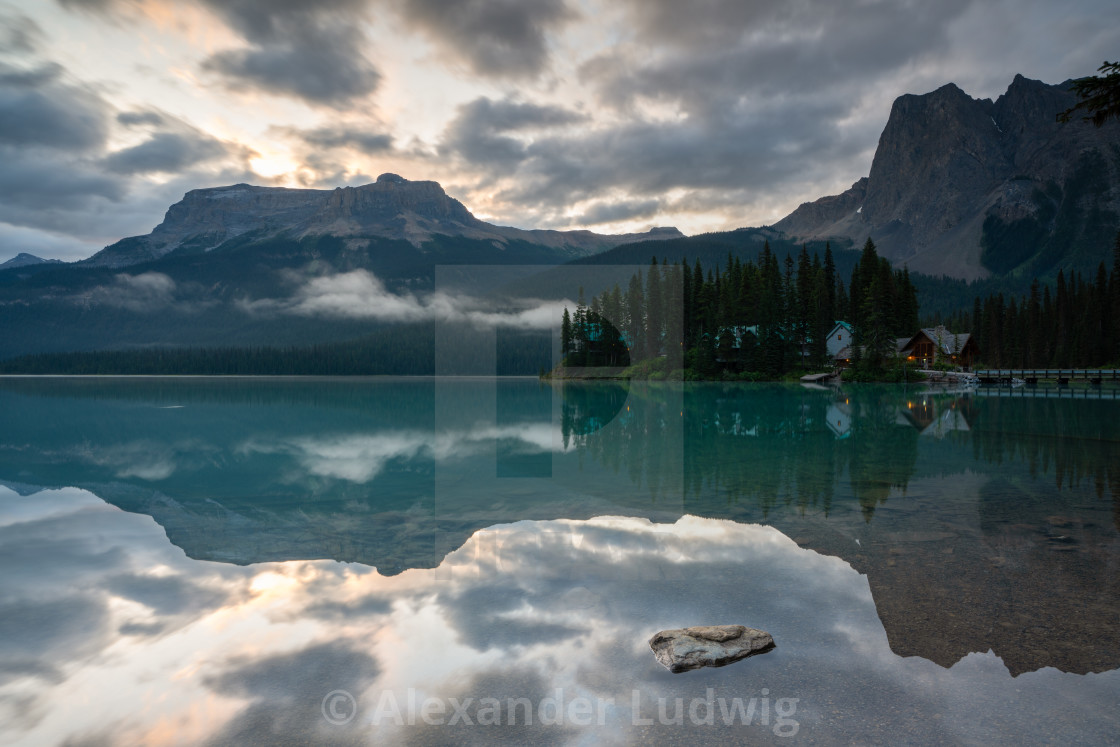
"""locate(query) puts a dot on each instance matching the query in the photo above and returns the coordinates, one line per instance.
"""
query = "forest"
(742, 320)
(1076, 325)
(765, 320)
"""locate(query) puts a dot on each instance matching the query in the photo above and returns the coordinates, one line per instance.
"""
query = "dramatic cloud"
(132, 119)
(313, 51)
(18, 34)
(724, 53)
(38, 108)
(58, 175)
(537, 113)
(362, 295)
(502, 38)
(93, 6)
(50, 127)
(173, 147)
(477, 133)
(761, 98)
(610, 212)
(749, 157)
(166, 151)
(342, 136)
(326, 154)
(32, 184)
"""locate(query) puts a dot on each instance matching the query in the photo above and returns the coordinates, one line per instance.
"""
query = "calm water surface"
(254, 561)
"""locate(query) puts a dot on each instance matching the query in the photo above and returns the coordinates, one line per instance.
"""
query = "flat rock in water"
(708, 646)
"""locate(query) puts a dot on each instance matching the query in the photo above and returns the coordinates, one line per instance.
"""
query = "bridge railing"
(1061, 374)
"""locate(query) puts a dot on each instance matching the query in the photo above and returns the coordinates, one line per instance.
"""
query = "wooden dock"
(817, 378)
(1063, 376)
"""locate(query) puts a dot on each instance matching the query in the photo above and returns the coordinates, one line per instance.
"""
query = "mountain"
(23, 259)
(244, 266)
(971, 188)
(390, 208)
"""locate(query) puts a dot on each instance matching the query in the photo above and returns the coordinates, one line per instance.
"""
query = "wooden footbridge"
(1047, 392)
(1063, 376)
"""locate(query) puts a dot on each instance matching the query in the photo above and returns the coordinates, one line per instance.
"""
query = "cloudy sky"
(610, 115)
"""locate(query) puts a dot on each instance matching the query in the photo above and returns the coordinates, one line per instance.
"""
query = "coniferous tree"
(565, 335)
(1035, 350)
(843, 303)
(908, 306)
(673, 313)
(830, 280)
(654, 311)
(635, 313)
(1063, 329)
(686, 304)
(875, 330)
(822, 322)
(581, 330)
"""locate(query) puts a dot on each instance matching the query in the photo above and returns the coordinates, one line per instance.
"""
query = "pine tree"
(1035, 349)
(673, 289)
(1101, 319)
(1063, 327)
(654, 311)
(686, 304)
(635, 312)
(581, 331)
(832, 309)
(565, 335)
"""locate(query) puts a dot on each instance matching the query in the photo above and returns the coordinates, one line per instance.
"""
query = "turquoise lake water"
(409, 561)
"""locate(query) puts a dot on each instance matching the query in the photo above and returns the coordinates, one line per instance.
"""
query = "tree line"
(1076, 325)
(757, 320)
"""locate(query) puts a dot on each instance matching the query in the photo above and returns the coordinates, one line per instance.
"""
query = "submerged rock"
(708, 646)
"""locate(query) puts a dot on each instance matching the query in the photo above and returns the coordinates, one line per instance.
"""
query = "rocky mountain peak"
(939, 138)
(23, 259)
(947, 162)
(1027, 113)
(392, 207)
(392, 198)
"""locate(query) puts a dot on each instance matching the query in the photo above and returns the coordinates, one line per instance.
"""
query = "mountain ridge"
(24, 259)
(971, 188)
(390, 208)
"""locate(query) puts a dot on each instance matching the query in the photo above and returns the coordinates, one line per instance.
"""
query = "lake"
(462, 561)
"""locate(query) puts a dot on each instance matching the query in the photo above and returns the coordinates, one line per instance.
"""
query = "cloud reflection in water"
(360, 458)
(110, 632)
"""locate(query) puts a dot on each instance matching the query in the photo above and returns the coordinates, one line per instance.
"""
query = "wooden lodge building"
(928, 345)
(939, 343)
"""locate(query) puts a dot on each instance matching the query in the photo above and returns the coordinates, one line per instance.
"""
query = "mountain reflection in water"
(923, 525)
